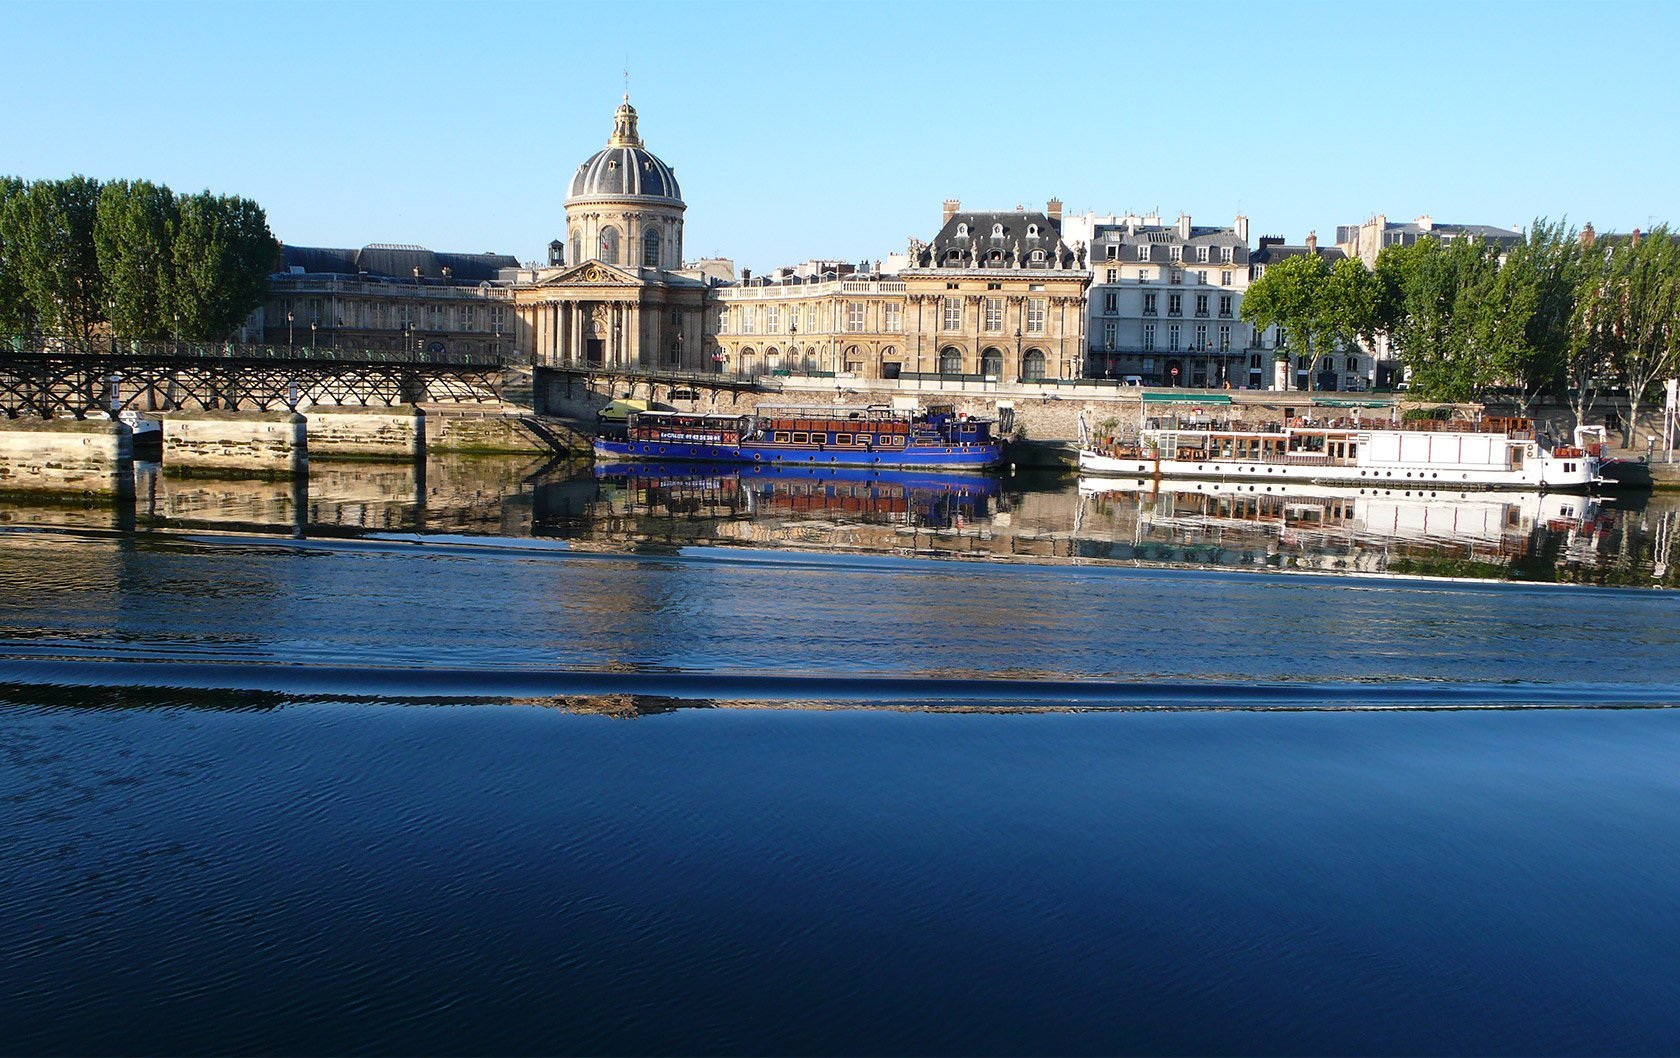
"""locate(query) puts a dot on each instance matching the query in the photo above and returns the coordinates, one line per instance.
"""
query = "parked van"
(1131, 380)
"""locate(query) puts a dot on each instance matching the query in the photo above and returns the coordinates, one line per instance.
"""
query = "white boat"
(1488, 453)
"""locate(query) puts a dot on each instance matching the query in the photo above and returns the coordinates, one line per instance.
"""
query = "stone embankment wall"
(499, 430)
(67, 457)
(263, 443)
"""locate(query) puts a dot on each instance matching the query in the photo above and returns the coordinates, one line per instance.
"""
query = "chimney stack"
(1588, 236)
(1634, 239)
(1312, 242)
(1426, 222)
(951, 207)
(1241, 227)
(1184, 225)
(1053, 210)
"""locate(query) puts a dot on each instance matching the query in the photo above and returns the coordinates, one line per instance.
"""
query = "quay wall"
(67, 457)
(261, 443)
(500, 430)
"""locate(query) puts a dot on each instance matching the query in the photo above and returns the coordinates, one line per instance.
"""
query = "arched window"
(1038, 256)
(1353, 363)
(997, 229)
(748, 361)
(810, 359)
(991, 363)
(609, 245)
(650, 249)
(1032, 231)
(1032, 365)
(950, 360)
(1254, 361)
(577, 247)
(962, 229)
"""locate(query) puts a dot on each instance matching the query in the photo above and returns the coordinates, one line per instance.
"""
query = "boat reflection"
(860, 495)
(1371, 529)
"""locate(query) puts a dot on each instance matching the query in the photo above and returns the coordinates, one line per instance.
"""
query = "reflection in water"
(1626, 540)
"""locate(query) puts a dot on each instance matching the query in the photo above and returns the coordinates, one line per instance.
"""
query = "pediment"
(594, 273)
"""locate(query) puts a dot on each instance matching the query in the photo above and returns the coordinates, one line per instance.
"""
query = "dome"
(624, 168)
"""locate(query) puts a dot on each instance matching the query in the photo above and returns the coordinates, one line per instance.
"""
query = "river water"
(483, 757)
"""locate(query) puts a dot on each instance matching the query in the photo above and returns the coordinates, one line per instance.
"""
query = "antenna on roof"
(627, 77)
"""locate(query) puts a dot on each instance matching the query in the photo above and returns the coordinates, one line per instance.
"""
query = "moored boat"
(873, 436)
(1487, 453)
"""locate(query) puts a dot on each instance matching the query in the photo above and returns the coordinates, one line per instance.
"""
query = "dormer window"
(1143, 252)
(1032, 231)
(997, 229)
(962, 229)
(1038, 256)
(612, 163)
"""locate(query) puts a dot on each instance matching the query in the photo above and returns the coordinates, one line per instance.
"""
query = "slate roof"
(969, 236)
(1272, 251)
(386, 261)
(616, 172)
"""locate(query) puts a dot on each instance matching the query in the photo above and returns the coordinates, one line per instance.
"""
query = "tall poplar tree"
(223, 256)
(50, 225)
(14, 303)
(133, 237)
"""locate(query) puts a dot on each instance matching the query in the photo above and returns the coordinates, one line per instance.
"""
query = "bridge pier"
(337, 432)
(67, 457)
(262, 443)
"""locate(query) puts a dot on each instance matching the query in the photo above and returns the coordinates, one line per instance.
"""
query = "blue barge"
(875, 436)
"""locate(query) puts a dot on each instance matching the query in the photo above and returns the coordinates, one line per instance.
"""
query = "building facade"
(1165, 304)
(624, 301)
(386, 297)
(1365, 241)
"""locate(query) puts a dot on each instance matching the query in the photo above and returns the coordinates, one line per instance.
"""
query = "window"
(1225, 254)
(749, 320)
(1353, 363)
(997, 230)
(723, 321)
(1149, 337)
(854, 315)
(1201, 304)
(1032, 231)
(775, 319)
(650, 249)
(609, 245)
(1143, 253)
(1111, 253)
(1143, 275)
(950, 317)
(893, 321)
(1225, 305)
(842, 438)
(577, 246)
(1225, 278)
(1259, 270)
(950, 361)
(994, 315)
(1111, 303)
(1038, 257)
(498, 318)
(1201, 336)
(1172, 336)
(962, 229)
(1035, 315)
(676, 316)
(1175, 253)
(994, 286)
(1112, 275)
(1032, 365)
(1177, 276)
(1201, 255)
(810, 317)
(1225, 339)
(1111, 331)
(1201, 277)
(466, 317)
(1149, 304)
(1175, 304)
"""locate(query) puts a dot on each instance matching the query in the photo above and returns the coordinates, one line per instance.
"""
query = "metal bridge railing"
(240, 352)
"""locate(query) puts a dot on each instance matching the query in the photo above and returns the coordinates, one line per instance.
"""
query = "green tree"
(1350, 304)
(223, 256)
(133, 238)
(1431, 295)
(50, 228)
(1643, 301)
(14, 302)
(1289, 295)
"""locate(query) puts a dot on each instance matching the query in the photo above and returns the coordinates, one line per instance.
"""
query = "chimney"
(1312, 242)
(1053, 210)
(1633, 240)
(1241, 227)
(1426, 222)
(746, 274)
(951, 207)
(1184, 225)
(1588, 236)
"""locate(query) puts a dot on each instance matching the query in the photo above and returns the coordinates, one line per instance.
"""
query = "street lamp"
(177, 334)
(313, 324)
(289, 319)
(677, 352)
(793, 338)
(111, 319)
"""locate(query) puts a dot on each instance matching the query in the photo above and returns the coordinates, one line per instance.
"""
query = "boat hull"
(1541, 476)
(925, 457)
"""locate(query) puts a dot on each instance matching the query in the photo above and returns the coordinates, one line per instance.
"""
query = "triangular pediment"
(593, 274)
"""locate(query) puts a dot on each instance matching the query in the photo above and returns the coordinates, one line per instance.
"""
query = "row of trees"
(79, 258)
(1555, 315)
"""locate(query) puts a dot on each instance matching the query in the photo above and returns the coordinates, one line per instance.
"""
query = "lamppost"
(313, 324)
(177, 332)
(289, 318)
(676, 352)
(111, 319)
(1017, 355)
(793, 339)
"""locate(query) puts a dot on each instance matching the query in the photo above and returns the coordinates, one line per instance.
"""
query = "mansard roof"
(390, 261)
(1008, 239)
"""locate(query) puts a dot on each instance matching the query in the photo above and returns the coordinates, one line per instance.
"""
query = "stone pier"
(67, 457)
(339, 432)
(258, 443)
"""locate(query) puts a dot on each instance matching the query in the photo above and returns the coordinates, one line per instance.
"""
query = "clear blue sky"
(808, 129)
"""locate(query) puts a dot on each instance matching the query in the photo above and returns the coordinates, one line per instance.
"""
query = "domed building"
(614, 294)
(624, 205)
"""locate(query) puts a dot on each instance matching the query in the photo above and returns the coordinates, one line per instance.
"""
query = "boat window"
(842, 438)
(800, 438)
(864, 438)
(781, 436)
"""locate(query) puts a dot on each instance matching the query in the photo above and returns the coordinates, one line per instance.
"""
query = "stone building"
(998, 295)
(386, 297)
(1165, 304)
(1366, 240)
(834, 320)
(624, 300)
